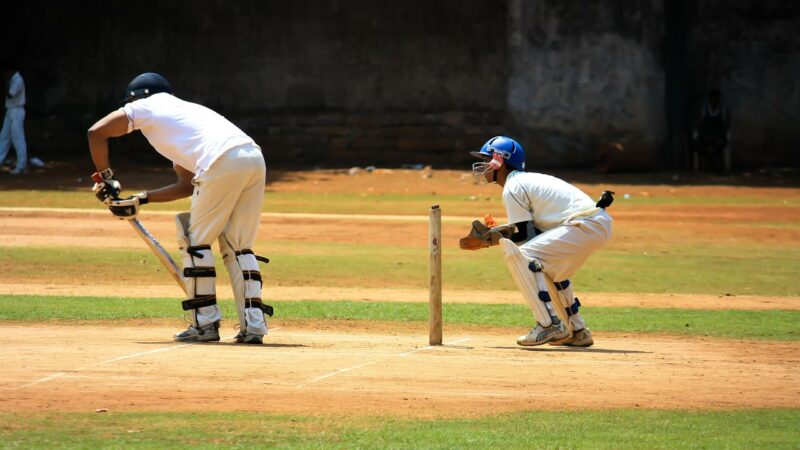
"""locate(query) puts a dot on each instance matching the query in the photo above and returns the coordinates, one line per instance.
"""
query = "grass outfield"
(700, 269)
(378, 203)
(775, 325)
(623, 428)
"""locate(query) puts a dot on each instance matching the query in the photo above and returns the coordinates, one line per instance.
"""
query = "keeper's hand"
(481, 236)
(105, 186)
(127, 208)
(472, 243)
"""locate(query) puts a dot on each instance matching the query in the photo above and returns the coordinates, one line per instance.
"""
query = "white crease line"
(108, 361)
(359, 366)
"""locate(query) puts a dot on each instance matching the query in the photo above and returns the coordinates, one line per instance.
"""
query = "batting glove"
(105, 186)
(127, 208)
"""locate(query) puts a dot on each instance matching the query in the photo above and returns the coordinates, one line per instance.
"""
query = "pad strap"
(247, 251)
(199, 302)
(255, 302)
(194, 250)
(573, 309)
(252, 275)
(200, 272)
(561, 285)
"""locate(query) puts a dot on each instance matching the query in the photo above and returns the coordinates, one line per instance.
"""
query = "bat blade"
(160, 253)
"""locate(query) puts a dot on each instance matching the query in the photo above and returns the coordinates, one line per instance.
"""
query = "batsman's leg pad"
(246, 283)
(531, 284)
(200, 277)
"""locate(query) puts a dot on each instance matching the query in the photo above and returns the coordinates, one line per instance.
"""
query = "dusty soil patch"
(383, 372)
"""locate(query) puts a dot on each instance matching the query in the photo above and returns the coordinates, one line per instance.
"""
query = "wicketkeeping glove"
(127, 208)
(105, 186)
(481, 236)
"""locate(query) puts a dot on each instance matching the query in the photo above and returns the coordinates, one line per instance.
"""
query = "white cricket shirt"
(545, 199)
(16, 89)
(190, 135)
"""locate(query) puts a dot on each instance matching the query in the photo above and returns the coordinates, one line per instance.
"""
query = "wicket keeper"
(553, 227)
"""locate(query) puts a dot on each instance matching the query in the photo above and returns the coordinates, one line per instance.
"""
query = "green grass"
(380, 203)
(623, 428)
(702, 269)
(779, 325)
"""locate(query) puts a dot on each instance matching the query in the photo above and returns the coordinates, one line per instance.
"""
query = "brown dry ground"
(369, 368)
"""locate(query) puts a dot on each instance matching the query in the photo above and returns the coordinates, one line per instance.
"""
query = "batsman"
(553, 228)
(223, 171)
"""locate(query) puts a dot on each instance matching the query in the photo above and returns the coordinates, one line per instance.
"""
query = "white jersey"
(190, 135)
(544, 199)
(15, 97)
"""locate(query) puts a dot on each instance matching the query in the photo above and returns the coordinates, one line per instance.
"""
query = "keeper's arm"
(522, 235)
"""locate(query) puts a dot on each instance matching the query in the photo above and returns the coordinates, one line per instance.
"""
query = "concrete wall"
(344, 82)
(585, 75)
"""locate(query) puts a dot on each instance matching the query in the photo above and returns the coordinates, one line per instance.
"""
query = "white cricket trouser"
(564, 249)
(227, 198)
(14, 132)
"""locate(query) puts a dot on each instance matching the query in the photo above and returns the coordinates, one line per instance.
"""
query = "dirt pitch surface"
(376, 370)
(369, 368)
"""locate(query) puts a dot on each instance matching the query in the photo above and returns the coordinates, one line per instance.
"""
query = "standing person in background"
(13, 125)
(712, 136)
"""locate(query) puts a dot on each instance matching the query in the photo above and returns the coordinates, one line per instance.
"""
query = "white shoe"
(580, 338)
(541, 335)
(207, 333)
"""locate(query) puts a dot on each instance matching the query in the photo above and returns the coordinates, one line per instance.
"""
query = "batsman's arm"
(115, 124)
(181, 188)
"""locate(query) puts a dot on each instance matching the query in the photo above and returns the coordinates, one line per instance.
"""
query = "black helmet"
(145, 85)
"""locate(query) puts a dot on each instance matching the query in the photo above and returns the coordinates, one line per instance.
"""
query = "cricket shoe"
(206, 333)
(248, 338)
(580, 338)
(541, 335)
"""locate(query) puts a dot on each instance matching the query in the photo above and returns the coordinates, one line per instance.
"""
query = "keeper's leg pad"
(572, 308)
(246, 284)
(200, 277)
(532, 285)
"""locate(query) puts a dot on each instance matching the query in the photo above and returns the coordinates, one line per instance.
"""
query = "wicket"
(435, 290)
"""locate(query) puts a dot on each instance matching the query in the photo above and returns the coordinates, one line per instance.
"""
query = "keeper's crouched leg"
(530, 280)
(582, 335)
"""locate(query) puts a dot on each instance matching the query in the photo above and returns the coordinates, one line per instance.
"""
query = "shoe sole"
(253, 340)
(197, 339)
(537, 343)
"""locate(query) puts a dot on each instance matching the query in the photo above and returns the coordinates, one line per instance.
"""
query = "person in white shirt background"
(223, 170)
(13, 131)
(556, 227)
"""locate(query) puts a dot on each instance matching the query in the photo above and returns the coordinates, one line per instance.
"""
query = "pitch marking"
(369, 363)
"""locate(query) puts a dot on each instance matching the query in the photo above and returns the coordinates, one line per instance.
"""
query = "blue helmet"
(512, 153)
(145, 85)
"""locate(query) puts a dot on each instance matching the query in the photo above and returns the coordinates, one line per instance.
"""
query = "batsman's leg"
(528, 276)
(236, 243)
(199, 274)
(246, 283)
